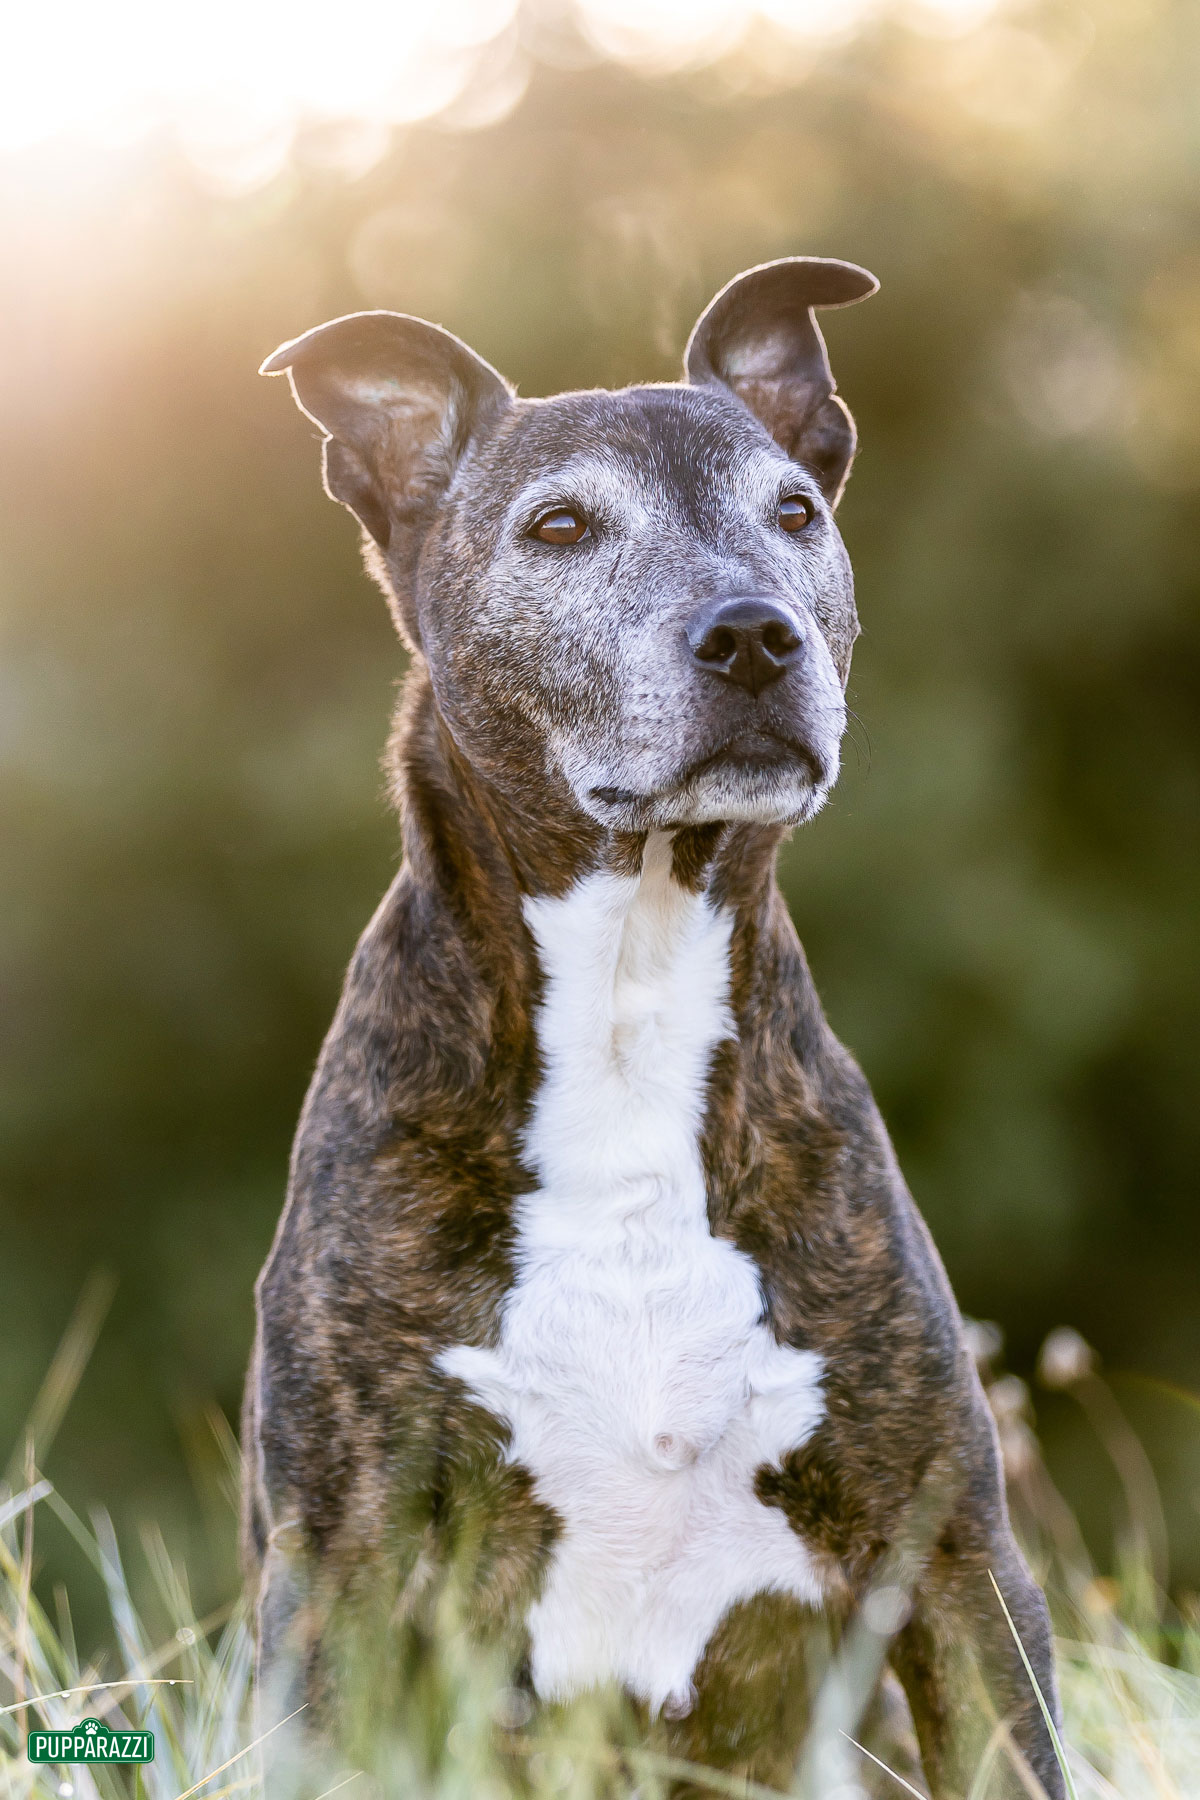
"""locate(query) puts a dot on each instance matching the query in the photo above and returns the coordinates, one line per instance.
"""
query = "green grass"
(1129, 1661)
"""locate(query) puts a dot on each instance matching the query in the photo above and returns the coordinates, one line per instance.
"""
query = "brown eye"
(562, 526)
(794, 513)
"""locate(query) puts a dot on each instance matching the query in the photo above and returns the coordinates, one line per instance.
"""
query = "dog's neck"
(484, 854)
(453, 982)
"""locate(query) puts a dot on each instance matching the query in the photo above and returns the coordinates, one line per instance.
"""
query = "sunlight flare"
(246, 70)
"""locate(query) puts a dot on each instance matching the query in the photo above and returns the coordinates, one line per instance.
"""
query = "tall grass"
(1129, 1662)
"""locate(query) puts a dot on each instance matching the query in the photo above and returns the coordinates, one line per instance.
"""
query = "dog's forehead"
(671, 440)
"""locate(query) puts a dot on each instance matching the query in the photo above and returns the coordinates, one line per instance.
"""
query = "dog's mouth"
(746, 757)
(752, 752)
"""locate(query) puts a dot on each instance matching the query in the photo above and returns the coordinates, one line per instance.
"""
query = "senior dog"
(597, 1275)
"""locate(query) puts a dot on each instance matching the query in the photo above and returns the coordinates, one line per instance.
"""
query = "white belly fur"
(641, 1387)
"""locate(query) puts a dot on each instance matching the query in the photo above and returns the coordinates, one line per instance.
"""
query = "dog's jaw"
(782, 792)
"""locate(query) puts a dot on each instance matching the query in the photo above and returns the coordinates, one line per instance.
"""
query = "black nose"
(749, 641)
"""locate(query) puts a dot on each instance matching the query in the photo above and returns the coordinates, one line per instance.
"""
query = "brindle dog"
(597, 1278)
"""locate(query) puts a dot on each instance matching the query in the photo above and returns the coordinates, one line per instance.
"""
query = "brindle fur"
(368, 1471)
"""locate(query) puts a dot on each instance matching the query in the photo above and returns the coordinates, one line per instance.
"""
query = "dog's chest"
(640, 1385)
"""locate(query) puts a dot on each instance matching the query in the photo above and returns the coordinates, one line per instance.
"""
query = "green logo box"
(91, 1741)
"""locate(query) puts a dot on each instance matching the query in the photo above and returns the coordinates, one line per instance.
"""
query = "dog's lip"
(617, 796)
(760, 748)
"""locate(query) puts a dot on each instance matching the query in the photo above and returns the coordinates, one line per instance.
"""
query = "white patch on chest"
(641, 1387)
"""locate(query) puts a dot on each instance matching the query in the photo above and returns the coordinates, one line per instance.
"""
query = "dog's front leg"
(968, 1690)
(291, 1699)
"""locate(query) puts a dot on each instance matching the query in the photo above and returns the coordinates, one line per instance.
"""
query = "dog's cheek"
(419, 573)
(558, 644)
(481, 647)
(840, 633)
(658, 723)
(831, 604)
(623, 710)
(846, 625)
(446, 599)
(590, 681)
(527, 663)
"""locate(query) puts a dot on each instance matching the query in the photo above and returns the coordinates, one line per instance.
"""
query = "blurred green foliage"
(195, 678)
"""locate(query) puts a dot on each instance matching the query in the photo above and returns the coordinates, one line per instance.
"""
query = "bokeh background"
(196, 678)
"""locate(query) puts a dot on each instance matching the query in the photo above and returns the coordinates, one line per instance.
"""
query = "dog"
(597, 1276)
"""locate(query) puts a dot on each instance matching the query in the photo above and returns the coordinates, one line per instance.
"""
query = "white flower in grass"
(985, 1340)
(1009, 1399)
(1065, 1359)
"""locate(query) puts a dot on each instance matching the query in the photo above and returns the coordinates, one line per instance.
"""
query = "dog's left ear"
(759, 337)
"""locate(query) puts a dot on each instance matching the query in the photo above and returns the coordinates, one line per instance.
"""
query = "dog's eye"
(794, 513)
(561, 526)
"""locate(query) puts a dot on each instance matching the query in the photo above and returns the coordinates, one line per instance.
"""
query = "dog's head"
(636, 604)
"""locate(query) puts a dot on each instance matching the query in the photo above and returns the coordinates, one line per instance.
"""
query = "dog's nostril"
(749, 641)
(716, 646)
(779, 639)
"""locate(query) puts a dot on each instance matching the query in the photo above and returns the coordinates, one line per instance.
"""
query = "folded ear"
(759, 337)
(399, 401)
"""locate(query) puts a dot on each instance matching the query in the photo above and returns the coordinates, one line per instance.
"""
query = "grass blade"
(1047, 1715)
(880, 1764)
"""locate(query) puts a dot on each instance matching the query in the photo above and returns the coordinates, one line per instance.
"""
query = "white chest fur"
(640, 1385)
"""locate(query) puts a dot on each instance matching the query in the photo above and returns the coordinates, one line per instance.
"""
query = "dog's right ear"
(399, 401)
